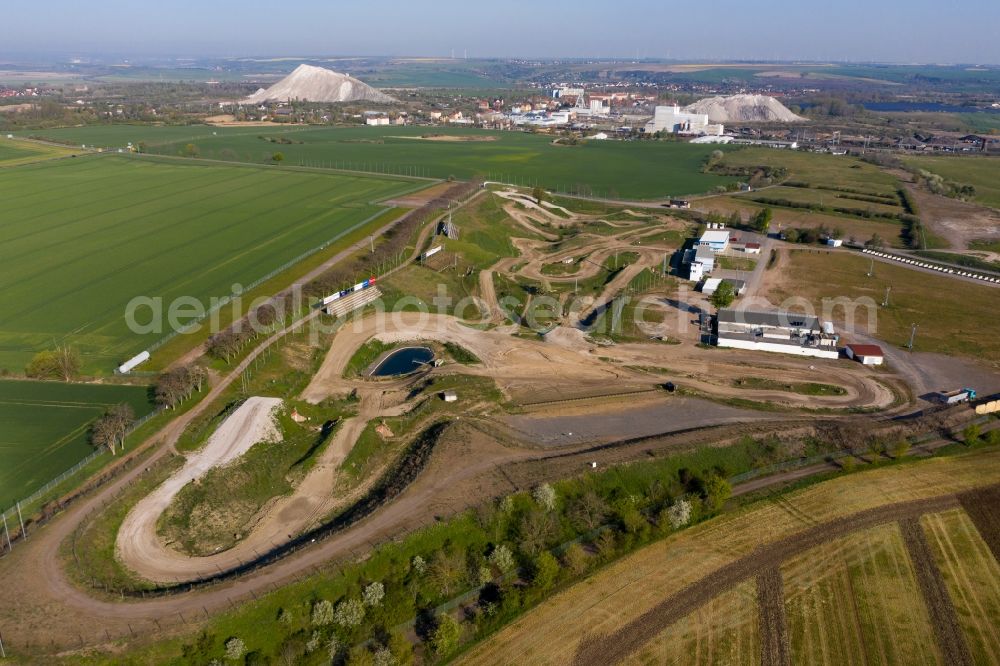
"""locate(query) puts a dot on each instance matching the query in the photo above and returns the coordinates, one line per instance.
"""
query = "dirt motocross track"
(44, 599)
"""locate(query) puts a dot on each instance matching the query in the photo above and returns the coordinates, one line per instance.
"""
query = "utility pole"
(885, 301)
(913, 334)
(24, 533)
(372, 238)
(7, 532)
(871, 269)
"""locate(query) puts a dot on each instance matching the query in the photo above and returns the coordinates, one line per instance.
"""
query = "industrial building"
(672, 119)
(712, 284)
(866, 354)
(783, 332)
(715, 238)
(700, 260)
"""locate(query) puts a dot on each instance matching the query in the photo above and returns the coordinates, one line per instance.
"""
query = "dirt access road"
(513, 361)
(520, 366)
(517, 366)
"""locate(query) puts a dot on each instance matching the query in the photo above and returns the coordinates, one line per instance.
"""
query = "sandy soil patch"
(956, 221)
(230, 121)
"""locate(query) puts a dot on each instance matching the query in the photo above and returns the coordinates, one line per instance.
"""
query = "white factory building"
(672, 119)
(701, 258)
(783, 332)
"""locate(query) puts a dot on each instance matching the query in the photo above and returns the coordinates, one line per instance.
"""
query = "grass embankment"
(949, 318)
(460, 354)
(365, 356)
(803, 388)
(985, 245)
(383, 439)
(966, 260)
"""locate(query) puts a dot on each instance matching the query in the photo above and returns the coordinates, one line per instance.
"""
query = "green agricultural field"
(641, 169)
(983, 173)
(119, 136)
(14, 152)
(11, 151)
(823, 197)
(83, 237)
(44, 429)
(820, 170)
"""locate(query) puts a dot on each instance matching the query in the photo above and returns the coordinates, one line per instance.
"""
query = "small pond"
(403, 361)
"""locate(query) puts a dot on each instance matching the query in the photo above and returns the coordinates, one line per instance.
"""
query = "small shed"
(449, 396)
(751, 248)
(866, 354)
(710, 285)
(834, 242)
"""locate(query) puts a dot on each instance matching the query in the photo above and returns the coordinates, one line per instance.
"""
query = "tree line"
(391, 244)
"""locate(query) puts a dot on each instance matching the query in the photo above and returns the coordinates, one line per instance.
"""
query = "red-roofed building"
(866, 354)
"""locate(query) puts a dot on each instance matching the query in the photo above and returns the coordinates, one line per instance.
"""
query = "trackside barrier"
(934, 267)
(990, 407)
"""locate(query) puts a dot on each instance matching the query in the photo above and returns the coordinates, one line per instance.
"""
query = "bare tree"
(110, 429)
(447, 570)
(101, 435)
(178, 384)
(224, 344)
(588, 511)
(534, 531)
(62, 362)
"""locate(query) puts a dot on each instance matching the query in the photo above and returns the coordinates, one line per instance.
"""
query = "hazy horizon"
(849, 31)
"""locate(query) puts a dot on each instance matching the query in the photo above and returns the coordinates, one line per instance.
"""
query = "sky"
(925, 31)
